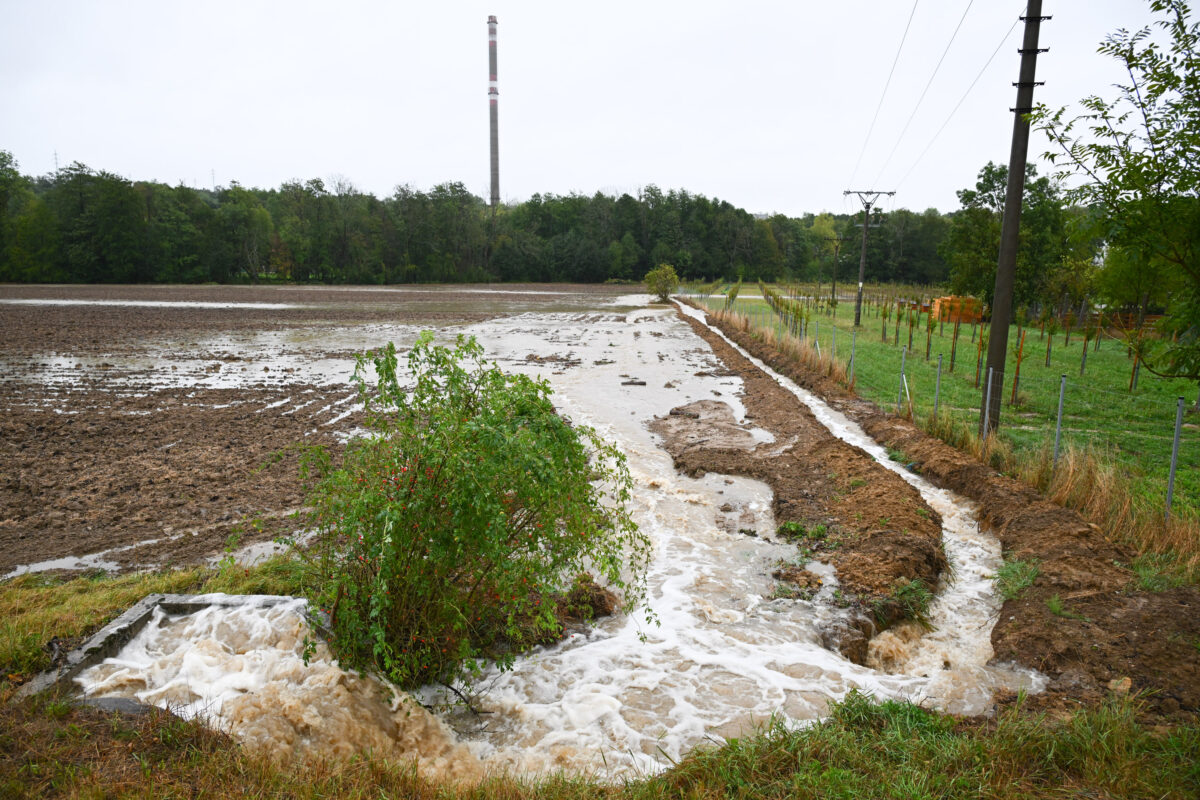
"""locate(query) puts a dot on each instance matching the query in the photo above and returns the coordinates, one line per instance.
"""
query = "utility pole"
(837, 248)
(1006, 265)
(868, 198)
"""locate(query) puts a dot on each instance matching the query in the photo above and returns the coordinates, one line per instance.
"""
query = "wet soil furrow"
(878, 531)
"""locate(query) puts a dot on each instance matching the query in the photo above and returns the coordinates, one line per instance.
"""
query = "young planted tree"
(731, 295)
(930, 323)
(980, 346)
(954, 341)
(1089, 332)
(447, 532)
(1051, 327)
(1018, 351)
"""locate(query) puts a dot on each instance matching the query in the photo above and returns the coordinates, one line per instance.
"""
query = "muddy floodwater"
(625, 697)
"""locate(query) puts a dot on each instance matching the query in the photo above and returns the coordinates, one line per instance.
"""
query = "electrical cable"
(886, 84)
(959, 103)
(924, 91)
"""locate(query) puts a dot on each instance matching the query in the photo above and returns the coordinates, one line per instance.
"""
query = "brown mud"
(74, 328)
(179, 471)
(176, 475)
(1108, 635)
(875, 528)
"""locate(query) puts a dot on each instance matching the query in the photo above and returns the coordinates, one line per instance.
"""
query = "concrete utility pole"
(868, 198)
(493, 104)
(837, 248)
(1006, 266)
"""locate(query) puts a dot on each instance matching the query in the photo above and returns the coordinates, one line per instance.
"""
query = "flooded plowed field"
(147, 427)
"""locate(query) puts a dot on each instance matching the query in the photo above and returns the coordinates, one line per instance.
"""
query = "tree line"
(82, 225)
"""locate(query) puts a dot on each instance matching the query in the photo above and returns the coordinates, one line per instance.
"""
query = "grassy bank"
(1115, 444)
(50, 748)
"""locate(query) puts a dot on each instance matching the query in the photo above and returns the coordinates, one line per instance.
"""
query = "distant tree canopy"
(80, 225)
(972, 244)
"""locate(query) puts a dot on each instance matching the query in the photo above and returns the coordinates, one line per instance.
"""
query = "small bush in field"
(446, 532)
(661, 281)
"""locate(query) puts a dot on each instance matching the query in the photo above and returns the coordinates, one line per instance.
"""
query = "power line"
(888, 83)
(959, 103)
(924, 91)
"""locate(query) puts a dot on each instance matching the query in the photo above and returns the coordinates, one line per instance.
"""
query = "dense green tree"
(174, 236)
(971, 246)
(1139, 159)
(80, 225)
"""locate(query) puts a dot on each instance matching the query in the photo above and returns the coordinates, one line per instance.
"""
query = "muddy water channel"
(628, 696)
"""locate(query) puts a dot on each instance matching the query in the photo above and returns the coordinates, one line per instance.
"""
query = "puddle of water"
(626, 698)
(92, 561)
(101, 560)
(183, 304)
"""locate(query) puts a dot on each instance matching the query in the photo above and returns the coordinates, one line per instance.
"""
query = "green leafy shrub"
(446, 534)
(661, 282)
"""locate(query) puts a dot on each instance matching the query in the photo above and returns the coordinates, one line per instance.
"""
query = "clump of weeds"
(907, 600)
(1015, 576)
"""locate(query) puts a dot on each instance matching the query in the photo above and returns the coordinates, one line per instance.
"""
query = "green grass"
(1014, 577)
(797, 531)
(1099, 412)
(911, 598)
(1156, 573)
(1116, 443)
(863, 749)
(1059, 609)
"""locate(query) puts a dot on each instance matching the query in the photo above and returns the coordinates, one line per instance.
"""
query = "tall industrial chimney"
(493, 102)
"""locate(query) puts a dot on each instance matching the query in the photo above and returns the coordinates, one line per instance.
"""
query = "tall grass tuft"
(1088, 481)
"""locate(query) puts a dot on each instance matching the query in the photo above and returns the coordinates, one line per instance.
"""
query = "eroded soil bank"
(869, 523)
(1109, 635)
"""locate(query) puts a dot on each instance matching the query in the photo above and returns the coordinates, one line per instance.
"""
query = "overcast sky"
(766, 104)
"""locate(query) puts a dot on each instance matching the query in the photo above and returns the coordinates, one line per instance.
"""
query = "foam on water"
(628, 696)
(243, 670)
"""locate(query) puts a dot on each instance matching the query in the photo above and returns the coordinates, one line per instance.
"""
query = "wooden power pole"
(868, 197)
(1006, 266)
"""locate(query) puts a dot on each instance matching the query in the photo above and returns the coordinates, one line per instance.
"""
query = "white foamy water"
(243, 670)
(629, 697)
